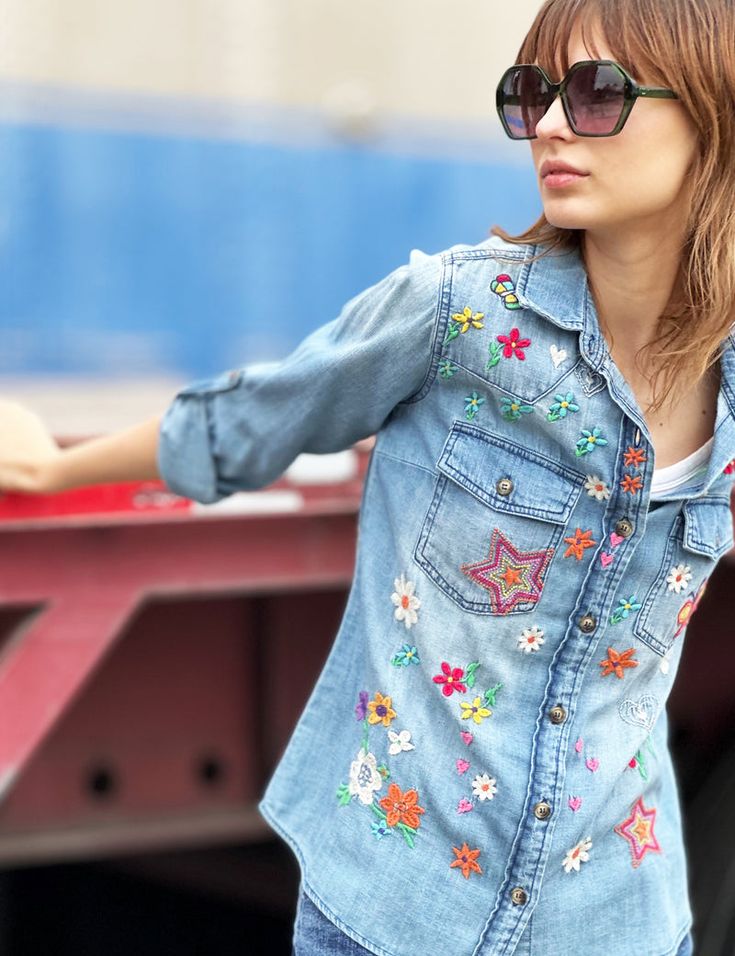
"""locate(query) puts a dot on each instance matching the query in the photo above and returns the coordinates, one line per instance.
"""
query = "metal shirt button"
(504, 486)
(624, 528)
(587, 623)
(557, 714)
(518, 895)
(542, 810)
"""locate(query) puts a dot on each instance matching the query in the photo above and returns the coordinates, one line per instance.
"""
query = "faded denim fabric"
(482, 768)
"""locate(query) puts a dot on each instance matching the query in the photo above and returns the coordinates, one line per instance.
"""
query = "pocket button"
(624, 528)
(557, 714)
(504, 486)
(587, 623)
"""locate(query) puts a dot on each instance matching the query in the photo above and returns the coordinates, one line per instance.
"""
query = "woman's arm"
(32, 462)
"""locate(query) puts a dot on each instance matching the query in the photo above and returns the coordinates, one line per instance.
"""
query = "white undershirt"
(681, 472)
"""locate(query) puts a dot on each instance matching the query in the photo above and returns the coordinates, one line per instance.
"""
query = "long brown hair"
(689, 47)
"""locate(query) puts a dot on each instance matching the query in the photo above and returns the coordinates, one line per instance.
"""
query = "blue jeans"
(315, 935)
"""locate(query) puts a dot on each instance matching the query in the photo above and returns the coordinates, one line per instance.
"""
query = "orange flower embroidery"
(380, 710)
(401, 807)
(634, 456)
(616, 662)
(578, 542)
(631, 483)
(466, 859)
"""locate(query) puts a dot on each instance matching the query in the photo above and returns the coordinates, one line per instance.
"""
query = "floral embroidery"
(557, 355)
(484, 787)
(578, 543)
(512, 409)
(468, 318)
(365, 778)
(638, 761)
(402, 807)
(514, 345)
(729, 468)
(495, 352)
(466, 860)
(380, 710)
(562, 405)
(688, 608)
(407, 655)
(679, 577)
(577, 855)
(574, 803)
(624, 608)
(531, 639)
(447, 368)
(452, 334)
(405, 601)
(596, 488)
(361, 706)
(473, 406)
(380, 830)
(589, 441)
(637, 829)
(504, 287)
(631, 483)
(475, 710)
(634, 456)
(455, 678)
(510, 576)
(399, 742)
(615, 662)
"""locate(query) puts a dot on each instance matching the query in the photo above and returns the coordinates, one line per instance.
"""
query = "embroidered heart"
(592, 763)
(466, 736)
(575, 803)
(579, 744)
(464, 806)
(606, 558)
(462, 766)
(557, 355)
(616, 539)
(641, 712)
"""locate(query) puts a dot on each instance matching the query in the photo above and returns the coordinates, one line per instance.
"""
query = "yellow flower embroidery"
(467, 319)
(474, 710)
(380, 710)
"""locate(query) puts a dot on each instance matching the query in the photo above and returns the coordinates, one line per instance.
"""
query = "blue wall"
(129, 253)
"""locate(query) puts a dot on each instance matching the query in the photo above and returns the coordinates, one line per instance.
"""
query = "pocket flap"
(541, 487)
(708, 525)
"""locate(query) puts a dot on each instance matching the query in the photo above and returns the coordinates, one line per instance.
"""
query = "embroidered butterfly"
(504, 287)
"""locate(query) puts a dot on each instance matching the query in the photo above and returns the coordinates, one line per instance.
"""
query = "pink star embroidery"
(510, 576)
(638, 831)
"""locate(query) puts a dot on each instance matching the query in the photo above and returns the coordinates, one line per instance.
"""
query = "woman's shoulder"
(491, 247)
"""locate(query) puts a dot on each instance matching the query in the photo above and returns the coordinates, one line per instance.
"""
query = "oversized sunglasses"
(597, 96)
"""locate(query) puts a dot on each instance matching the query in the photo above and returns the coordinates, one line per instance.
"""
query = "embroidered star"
(616, 661)
(638, 831)
(509, 575)
(578, 543)
(634, 456)
(632, 484)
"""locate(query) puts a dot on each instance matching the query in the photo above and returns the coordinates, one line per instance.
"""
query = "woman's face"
(638, 176)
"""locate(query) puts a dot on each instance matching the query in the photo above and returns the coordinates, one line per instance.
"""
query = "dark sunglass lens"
(524, 100)
(596, 95)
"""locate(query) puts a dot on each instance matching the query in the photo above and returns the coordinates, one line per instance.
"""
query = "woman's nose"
(554, 121)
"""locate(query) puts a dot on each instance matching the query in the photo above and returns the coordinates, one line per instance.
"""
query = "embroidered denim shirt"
(482, 768)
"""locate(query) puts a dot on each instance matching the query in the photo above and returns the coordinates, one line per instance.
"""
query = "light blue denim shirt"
(482, 768)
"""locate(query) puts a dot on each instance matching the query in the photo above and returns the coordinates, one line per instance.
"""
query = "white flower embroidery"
(365, 777)
(531, 639)
(679, 577)
(596, 488)
(399, 741)
(578, 854)
(484, 787)
(405, 601)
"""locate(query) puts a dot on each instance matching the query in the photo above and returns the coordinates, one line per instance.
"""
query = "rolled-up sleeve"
(241, 429)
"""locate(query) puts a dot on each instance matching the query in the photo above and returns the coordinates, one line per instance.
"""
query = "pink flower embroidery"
(513, 344)
(451, 678)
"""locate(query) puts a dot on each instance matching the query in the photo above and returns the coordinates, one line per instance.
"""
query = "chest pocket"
(496, 517)
(701, 533)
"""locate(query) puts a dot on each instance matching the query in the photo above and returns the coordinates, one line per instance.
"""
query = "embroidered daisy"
(468, 318)
(380, 710)
(365, 778)
(589, 441)
(447, 368)
(405, 601)
(399, 741)
(484, 787)
(562, 404)
(512, 408)
(380, 830)
(407, 655)
(475, 710)
(596, 488)
(466, 860)
(452, 679)
(473, 405)
(531, 639)
(578, 854)
(679, 577)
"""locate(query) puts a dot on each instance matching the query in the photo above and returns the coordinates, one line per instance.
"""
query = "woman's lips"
(561, 179)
